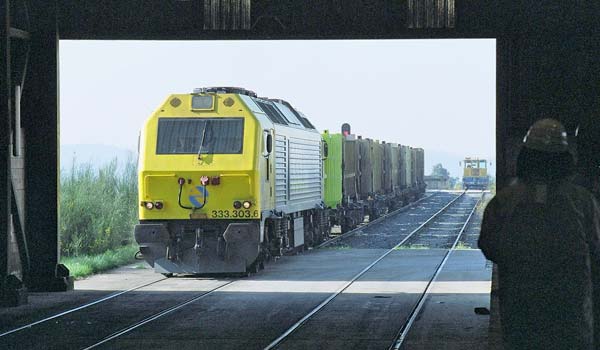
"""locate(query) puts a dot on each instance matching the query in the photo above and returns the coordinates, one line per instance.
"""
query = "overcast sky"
(434, 94)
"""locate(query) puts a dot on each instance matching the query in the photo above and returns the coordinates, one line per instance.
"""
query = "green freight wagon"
(332, 145)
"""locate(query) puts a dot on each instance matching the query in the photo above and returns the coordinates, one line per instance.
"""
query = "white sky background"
(434, 94)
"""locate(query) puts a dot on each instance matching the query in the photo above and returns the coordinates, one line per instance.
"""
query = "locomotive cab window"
(200, 135)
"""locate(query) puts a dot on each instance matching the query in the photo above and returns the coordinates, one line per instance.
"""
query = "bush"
(98, 208)
(84, 265)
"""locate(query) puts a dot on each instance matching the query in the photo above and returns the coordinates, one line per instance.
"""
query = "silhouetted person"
(543, 232)
(588, 176)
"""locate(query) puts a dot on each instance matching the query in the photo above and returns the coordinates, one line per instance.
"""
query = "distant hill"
(97, 155)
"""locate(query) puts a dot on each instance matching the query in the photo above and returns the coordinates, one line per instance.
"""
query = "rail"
(84, 306)
(340, 290)
(403, 332)
(157, 316)
(379, 219)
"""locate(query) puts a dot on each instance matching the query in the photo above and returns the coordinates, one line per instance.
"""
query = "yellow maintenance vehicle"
(475, 174)
(226, 181)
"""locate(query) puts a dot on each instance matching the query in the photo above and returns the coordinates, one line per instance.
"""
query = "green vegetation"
(462, 246)
(440, 171)
(98, 209)
(84, 265)
(412, 246)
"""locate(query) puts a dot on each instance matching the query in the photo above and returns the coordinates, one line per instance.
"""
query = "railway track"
(386, 234)
(171, 306)
(156, 316)
(31, 325)
(111, 296)
(78, 325)
(387, 216)
(404, 330)
(417, 235)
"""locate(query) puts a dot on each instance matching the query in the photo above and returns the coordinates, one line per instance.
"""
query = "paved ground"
(448, 320)
(249, 313)
(252, 312)
(369, 313)
(42, 305)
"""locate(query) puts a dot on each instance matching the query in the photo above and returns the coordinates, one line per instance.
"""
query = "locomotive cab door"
(268, 145)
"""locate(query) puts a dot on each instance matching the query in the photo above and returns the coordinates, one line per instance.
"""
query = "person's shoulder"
(505, 195)
(513, 188)
(576, 187)
(579, 193)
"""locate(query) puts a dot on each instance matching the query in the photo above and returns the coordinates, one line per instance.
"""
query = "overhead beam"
(324, 19)
(282, 19)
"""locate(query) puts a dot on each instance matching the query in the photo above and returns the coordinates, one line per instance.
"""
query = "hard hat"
(547, 135)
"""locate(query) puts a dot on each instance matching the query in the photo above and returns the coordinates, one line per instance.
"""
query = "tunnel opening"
(439, 95)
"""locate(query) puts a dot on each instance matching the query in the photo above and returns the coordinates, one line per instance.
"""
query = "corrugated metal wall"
(431, 14)
(227, 14)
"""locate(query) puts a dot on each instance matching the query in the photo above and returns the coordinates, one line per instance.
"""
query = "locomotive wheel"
(254, 268)
(346, 228)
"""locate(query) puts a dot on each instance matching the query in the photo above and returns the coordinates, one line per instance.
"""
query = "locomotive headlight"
(237, 204)
(204, 180)
(158, 205)
(247, 204)
(149, 205)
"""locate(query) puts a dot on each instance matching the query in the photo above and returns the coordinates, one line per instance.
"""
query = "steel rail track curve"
(84, 306)
(403, 332)
(157, 316)
(340, 290)
(379, 219)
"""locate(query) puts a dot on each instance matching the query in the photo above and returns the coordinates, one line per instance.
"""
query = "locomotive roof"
(277, 111)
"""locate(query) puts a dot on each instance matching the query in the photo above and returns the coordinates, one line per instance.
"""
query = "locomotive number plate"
(236, 214)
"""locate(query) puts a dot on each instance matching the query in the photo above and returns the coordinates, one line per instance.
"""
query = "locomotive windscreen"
(195, 135)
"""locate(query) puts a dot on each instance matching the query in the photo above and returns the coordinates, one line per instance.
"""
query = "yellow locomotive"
(227, 180)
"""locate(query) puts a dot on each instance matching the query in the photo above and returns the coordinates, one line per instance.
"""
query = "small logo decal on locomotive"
(197, 199)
